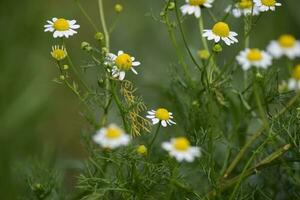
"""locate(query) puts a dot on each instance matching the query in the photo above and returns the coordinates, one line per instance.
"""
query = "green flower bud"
(62, 77)
(84, 45)
(171, 6)
(99, 36)
(217, 48)
(66, 67)
(118, 8)
(259, 76)
(104, 50)
(203, 54)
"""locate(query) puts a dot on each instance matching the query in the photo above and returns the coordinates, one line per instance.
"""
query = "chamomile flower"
(243, 7)
(294, 82)
(111, 137)
(161, 115)
(221, 31)
(194, 7)
(181, 149)
(254, 57)
(266, 5)
(61, 27)
(58, 53)
(286, 45)
(121, 63)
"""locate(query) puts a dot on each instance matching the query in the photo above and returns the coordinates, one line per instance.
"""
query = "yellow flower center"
(61, 24)
(221, 29)
(296, 72)
(197, 2)
(181, 144)
(287, 41)
(268, 2)
(113, 133)
(124, 61)
(244, 4)
(162, 114)
(59, 54)
(254, 55)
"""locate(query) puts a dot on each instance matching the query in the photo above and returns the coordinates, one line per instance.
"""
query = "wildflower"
(254, 57)
(61, 27)
(243, 7)
(58, 53)
(266, 5)
(142, 150)
(181, 149)
(286, 45)
(194, 7)
(111, 137)
(220, 31)
(121, 63)
(294, 82)
(161, 115)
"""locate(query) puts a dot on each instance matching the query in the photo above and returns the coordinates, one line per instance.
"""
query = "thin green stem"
(103, 23)
(154, 137)
(86, 15)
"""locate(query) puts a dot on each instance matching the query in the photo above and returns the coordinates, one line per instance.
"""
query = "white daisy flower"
(58, 53)
(294, 82)
(161, 115)
(111, 137)
(181, 149)
(194, 7)
(61, 27)
(243, 7)
(286, 45)
(121, 63)
(266, 5)
(221, 31)
(254, 57)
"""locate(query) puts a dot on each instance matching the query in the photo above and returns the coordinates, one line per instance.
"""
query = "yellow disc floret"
(113, 133)
(197, 2)
(181, 144)
(245, 4)
(268, 2)
(221, 29)
(287, 41)
(61, 24)
(124, 61)
(296, 72)
(58, 53)
(162, 114)
(254, 55)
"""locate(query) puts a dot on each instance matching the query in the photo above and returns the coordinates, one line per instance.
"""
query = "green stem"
(86, 15)
(154, 137)
(103, 23)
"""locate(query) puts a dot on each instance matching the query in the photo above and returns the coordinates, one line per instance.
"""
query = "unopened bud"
(99, 36)
(217, 48)
(203, 54)
(142, 150)
(66, 67)
(62, 77)
(171, 6)
(118, 8)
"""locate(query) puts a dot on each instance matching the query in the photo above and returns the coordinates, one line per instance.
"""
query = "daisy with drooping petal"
(243, 7)
(286, 45)
(121, 63)
(194, 7)
(254, 57)
(61, 27)
(294, 82)
(111, 137)
(161, 115)
(181, 149)
(58, 53)
(266, 5)
(221, 31)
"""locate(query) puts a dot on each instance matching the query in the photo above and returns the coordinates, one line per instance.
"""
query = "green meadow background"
(40, 119)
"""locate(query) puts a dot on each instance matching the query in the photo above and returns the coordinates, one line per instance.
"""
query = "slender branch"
(154, 137)
(86, 15)
(103, 23)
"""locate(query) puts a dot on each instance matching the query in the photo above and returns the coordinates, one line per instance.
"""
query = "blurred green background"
(39, 118)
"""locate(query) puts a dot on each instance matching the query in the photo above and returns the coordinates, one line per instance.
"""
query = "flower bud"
(171, 6)
(118, 8)
(142, 150)
(62, 77)
(104, 50)
(259, 76)
(99, 36)
(217, 48)
(66, 67)
(203, 54)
